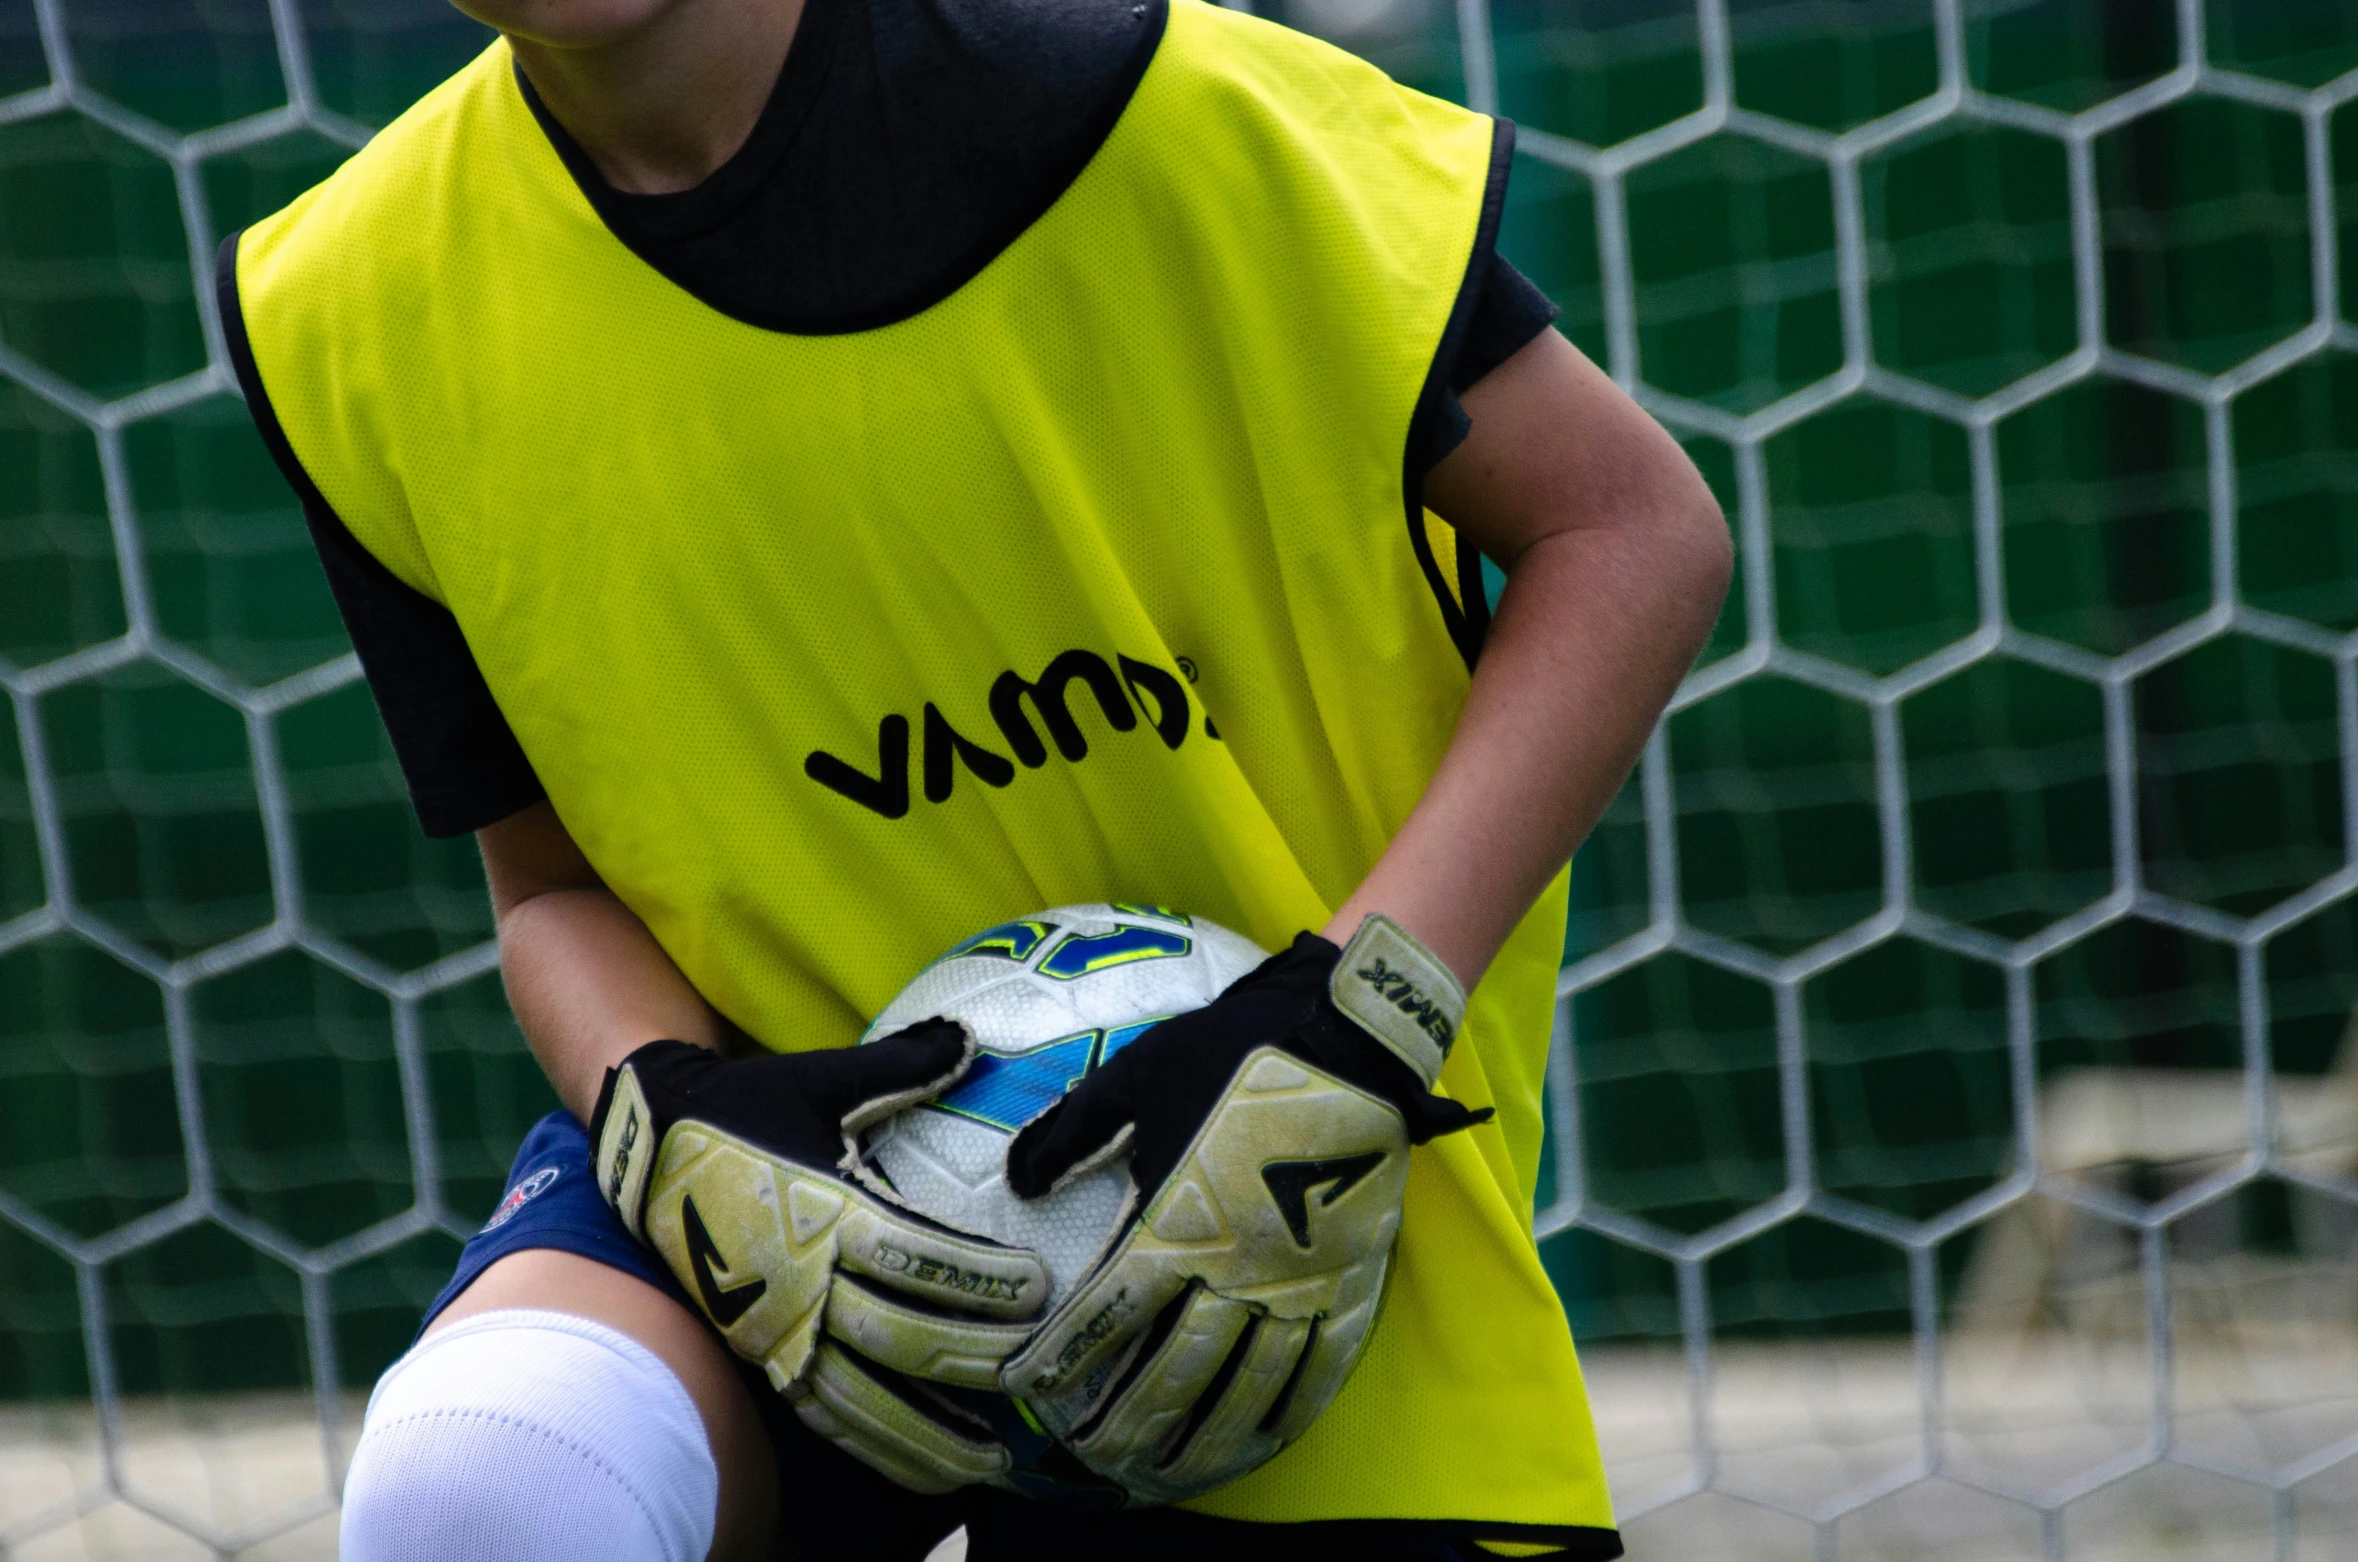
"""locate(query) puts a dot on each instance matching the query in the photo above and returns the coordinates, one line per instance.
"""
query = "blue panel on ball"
(1006, 1093)
(1083, 954)
(1008, 941)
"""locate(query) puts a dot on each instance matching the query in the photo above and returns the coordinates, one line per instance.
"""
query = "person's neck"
(659, 108)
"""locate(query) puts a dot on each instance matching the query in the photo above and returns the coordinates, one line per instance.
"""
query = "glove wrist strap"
(624, 1145)
(1399, 992)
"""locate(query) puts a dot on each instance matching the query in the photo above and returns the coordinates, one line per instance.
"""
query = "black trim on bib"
(1578, 1542)
(1001, 1526)
(437, 709)
(1465, 606)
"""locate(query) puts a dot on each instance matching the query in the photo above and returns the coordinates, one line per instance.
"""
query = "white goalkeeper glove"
(1269, 1133)
(733, 1172)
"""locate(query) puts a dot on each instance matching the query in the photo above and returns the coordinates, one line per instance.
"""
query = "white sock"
(529, 1436)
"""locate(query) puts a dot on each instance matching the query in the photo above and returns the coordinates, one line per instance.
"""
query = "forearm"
(589, 984)
(1592, 635)
(1617, 560)
(587, 981)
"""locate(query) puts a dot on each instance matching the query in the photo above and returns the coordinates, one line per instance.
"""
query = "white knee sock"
(522, 1436)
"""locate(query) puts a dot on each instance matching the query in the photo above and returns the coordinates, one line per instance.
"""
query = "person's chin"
(567, 24)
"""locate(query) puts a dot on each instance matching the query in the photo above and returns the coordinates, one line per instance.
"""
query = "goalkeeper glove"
(1269, 1136)
(732, 1171)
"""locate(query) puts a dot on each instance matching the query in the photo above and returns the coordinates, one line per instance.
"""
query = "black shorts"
(835, 1509)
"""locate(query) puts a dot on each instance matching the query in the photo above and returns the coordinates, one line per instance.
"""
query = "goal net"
(1955, 1122)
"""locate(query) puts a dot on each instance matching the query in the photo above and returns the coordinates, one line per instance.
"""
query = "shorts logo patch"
(522, 1194)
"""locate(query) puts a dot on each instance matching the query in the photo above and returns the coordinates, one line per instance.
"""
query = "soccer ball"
(1049, 997)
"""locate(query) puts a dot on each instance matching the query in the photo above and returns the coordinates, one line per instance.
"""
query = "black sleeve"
(463, 764)
(1496, 312)
(1508, 312)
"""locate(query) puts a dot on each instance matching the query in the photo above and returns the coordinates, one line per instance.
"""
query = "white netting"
(1868, 1433)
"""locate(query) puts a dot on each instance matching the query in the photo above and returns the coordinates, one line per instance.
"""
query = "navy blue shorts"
(552, 1201)
(839, 1510)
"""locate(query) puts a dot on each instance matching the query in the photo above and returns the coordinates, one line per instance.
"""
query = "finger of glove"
(913, 1438)
(921, 1342)
(1085, 1124)
(856, 1086)
(1155, 1398)
(937, 1265)
(1228, 1432)
(1092, 1327)
(1327, 1359)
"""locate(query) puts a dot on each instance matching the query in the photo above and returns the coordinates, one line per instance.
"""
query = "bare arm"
(588, 982)
(1616, 560)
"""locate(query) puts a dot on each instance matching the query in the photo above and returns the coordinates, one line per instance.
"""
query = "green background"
(2101, 490)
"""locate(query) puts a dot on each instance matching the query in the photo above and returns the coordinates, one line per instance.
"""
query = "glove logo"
(1290, 1182)
(941, 1272)
(1088, 1337)
(725, 1304)
(1399, 989)
(621, 1167)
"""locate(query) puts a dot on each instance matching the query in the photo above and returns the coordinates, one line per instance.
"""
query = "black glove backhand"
(1161, 1087)
(1269, 1136)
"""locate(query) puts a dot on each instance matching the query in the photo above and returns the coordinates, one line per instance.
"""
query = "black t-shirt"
(906, 144)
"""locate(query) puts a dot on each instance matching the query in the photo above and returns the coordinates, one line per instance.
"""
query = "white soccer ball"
(1048, 997)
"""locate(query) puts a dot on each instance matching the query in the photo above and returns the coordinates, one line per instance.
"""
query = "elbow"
(1703, 562)
(510, 912)
(528, 855)
(1715, 567)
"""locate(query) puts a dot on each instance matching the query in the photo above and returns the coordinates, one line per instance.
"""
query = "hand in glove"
(1269, 1136)
(732, 1171)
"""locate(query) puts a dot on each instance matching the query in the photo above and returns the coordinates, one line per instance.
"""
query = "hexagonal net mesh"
(1955, 1136)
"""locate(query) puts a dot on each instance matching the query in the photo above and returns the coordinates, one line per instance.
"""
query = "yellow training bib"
(1093, 581)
